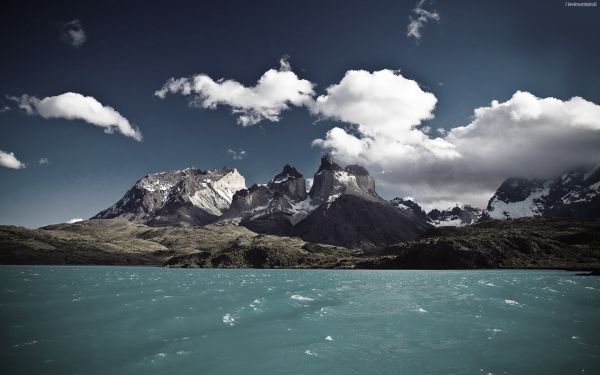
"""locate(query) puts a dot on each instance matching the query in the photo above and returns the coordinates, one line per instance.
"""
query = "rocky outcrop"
(521, 243)
(120, 242)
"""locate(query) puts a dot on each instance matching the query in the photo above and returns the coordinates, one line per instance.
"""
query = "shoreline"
(582, 270)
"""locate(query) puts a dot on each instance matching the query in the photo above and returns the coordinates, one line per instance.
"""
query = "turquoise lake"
(137, 320)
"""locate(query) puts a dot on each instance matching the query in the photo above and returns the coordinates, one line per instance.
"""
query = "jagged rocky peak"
(184, 197)
(290, 183)
(331, 181)
(409, 206)
(328, 165)
(575, 194)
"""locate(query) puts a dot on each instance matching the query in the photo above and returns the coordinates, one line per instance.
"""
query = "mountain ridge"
(282, 206)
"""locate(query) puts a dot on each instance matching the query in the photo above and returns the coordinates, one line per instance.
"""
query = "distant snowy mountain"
(458, 215)
(184, 197)
(574, 194)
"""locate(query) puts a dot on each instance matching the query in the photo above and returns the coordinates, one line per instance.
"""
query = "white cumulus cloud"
(74, 220)
(274, 92)
(9, 160)
(524, 136)
(72, 33)
(419, 19)
(387, 110)
(74, 106)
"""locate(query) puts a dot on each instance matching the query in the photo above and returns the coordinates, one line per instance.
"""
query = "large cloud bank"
(524, 136)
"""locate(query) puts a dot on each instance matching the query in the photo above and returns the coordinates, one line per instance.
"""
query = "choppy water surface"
(118, 320)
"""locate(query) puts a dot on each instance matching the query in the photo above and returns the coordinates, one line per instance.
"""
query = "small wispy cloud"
(419, 19)
(72, 33)
(9, 160)
(74, 220)
(43, 161)
(236, 155)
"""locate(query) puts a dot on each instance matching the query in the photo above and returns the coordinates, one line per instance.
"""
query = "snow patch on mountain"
(532, 205)
(572, 194)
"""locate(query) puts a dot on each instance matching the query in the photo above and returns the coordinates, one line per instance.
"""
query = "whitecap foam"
(550, 289)
(512, 302)
(25, 344)
(328, 338)
(422, 310)
(229, 320)
(298, 297)
(310, 352)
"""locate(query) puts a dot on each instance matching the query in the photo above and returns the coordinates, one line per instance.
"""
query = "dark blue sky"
(477, 52)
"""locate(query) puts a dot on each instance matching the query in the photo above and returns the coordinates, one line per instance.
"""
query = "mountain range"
(574, 194)
(210, 218)
(341, 208)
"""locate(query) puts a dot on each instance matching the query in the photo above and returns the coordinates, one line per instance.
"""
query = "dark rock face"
(182, 198)
(353, 221)
(290, 183)
(328, 165)
(248, 200)
(574, 194)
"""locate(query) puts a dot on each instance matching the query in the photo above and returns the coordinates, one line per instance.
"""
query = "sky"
(440, 100)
